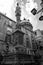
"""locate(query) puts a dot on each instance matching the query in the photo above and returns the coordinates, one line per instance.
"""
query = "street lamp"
(34, 11)
(41, 17)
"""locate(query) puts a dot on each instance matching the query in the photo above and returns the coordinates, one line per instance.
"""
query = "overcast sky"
(7, 6)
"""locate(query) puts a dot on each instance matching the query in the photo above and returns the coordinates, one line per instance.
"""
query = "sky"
(9, 6)
(5, 6)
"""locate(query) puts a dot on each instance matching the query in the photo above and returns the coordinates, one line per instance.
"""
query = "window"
(28, 43)
(39, 42)
(15, 39)
(35, 33)
(34, 44)
(41, 47)
(8, 38)
(0, 16)
(42, 32)
(21, 39)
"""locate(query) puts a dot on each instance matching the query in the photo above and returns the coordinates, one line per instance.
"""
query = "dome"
(26, 23)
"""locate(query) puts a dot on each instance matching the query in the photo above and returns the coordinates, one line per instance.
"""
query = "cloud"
(5, 6)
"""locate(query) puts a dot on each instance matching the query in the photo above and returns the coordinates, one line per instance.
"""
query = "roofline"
(7, 17)
(18, 30)
(27, 22)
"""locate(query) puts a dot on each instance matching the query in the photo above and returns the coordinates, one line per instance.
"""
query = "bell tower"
(18, 13)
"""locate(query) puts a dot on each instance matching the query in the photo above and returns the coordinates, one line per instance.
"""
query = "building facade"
(17, 40)
(39, 39)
